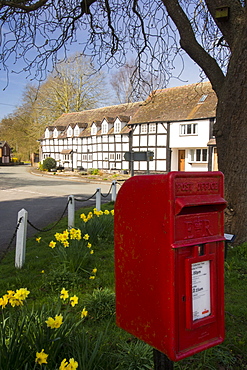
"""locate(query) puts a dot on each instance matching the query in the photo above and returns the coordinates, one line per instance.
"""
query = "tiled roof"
(178, 103)
(98, 114)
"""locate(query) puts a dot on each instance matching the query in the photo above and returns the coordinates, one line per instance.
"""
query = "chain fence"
(49, 229)
(62, 215)
(3, 254)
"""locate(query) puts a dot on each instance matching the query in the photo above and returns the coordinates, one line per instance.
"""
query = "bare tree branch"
(192, 47)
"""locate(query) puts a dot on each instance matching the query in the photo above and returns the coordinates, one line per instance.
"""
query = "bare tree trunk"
(231, 138)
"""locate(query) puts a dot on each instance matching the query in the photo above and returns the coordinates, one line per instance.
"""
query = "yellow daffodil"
(43, 271)
(94, 270)
(112, 212)
(92, 277)
(73, 300)
(64, 294)
(54, 323)
(52, 244)
(71, 365)
(89, 245)
(75, 234)
(84, 313)
(22, 293)
(41, 357)
(38, 239)
(66, 244)
(106, 212)
(86, 237)
(4, 301)
(92, 251)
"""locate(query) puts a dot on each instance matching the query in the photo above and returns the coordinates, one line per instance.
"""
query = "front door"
(181, 160)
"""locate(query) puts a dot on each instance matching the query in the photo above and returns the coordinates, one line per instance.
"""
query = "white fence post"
(98, 199)
(21, 239)
(71, 211)
(114, 191)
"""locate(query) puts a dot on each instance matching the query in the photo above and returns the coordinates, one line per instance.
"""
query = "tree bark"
(231, 138)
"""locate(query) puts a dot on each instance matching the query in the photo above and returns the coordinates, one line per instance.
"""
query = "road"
(45, 198)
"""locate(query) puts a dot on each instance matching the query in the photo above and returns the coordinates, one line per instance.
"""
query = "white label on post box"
(201, 289)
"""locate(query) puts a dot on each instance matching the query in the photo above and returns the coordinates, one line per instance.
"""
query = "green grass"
(95, 341)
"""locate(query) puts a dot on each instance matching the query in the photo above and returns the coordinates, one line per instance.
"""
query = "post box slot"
(190, 204)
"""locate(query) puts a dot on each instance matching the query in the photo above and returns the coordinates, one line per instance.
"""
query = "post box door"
(200, 300)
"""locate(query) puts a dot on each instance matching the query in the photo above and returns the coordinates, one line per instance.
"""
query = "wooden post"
(98, 199)
(114, 191)
(21, 239)
(161, 361)
(71, 211)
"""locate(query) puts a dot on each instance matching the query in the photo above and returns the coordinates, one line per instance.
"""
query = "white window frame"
(104, 128)
(186, 129)
(197, 155)
(117, 127)
(70, 131)
(76, 131)
(118, 156)
(111, 156)
(144, 128)
(93, 130)
(152, 128)
(84, 157)
(47, 134)
(90, 157)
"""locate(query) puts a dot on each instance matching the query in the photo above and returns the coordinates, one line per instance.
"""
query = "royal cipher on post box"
(169, 261)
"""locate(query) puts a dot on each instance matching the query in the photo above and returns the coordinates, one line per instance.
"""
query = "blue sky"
(11, 91)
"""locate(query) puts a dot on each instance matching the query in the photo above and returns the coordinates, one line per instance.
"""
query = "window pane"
(182, 129)
(204, 155)
(198, 155)
(195, 128)
(192, 155)
(188, 129)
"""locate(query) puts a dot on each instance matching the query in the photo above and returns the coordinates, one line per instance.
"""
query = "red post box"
(169, 261)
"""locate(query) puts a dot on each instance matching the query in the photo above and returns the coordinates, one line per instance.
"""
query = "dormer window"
(104, 128)
(55, 133)
(76, 131)
(93, 129)
(47, 133)
(117, 127)
(70, 131)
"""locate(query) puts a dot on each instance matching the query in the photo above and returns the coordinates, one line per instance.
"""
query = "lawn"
(64, 317)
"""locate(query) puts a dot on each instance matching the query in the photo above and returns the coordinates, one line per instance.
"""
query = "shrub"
(49, 163)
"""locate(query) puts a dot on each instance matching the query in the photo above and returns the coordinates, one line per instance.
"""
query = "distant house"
(5, 152)
(174, 123)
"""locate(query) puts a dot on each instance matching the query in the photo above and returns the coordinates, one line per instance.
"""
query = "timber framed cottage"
(174, 123)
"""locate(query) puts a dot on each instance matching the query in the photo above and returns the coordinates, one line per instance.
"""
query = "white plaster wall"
(161, 153)
(135, 140)
(125, 147)
(161, 140)
(143, 141)
(136, 130)
(190, 141)
(161, 129)
(151, 140)
(161, 165)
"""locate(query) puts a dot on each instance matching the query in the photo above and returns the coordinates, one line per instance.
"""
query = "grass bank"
(68, 318)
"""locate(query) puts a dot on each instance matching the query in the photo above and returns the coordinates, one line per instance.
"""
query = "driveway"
(44, 197)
